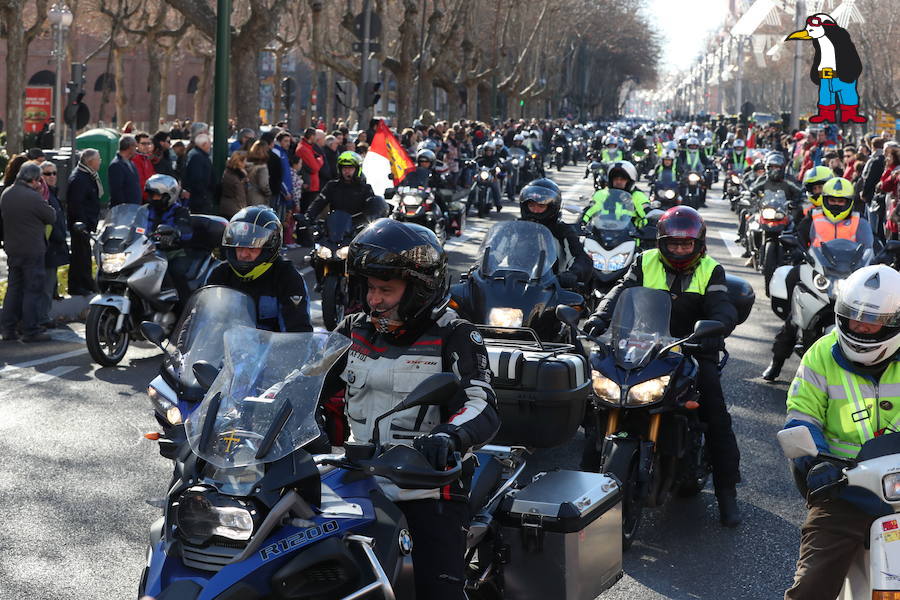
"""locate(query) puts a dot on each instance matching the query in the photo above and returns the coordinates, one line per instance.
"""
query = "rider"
(560, 139)
(667, 171)
(836, 220)
(541, 201)
(692, 159)
(736, 159)
(398, 273)
(852, 364)
(696, 282)
(489, 159)
(773, 181)
(349, 192)
(612, 153)
(814, 181)
(622, 176)
(252, 244)
(170, 223)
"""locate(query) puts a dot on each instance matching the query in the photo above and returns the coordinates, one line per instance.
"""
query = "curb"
(72, 308)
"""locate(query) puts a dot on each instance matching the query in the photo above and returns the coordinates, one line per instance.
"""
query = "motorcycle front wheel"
(770, 262)
(626, 467)
(697, 472)
(105, 346)
(333, 300)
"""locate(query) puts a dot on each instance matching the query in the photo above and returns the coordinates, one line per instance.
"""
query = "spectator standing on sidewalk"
(83, 206)
(124, 183)
(234, 185)
(312, 164)
(142, 161)
(198, 180)
(57, 253)
(25, 218)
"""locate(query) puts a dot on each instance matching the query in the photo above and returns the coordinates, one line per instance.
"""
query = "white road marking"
(41, 361)
(733, 249)
(40, 378)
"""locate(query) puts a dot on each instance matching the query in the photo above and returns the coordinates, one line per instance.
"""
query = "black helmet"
(543, 191)
(389, 249)
(167, 190)
(775, 166)
(681, 222)
(252, 227)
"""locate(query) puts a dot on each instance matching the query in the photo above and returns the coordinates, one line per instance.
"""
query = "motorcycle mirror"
(390, 193)
(707, 328)
(567, 315)
(789, 240)
(797, 441)
(153, 333)
(892, 246)
(205, 373)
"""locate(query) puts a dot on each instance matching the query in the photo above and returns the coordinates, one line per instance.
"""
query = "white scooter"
(875, 570)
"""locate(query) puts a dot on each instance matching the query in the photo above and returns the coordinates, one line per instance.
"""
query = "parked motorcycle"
(131, 274)
(417, 206)
(514, 283)
(251, 513)
(871, 573)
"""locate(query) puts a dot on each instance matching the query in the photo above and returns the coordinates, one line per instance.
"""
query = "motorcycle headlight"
(891, 485)
(605, 388)
(484, 175)
(648, 391)
(694, 178)
(411, 201)
(559, 149)
(821, 282)
(617, 262)
(323, 252)
(515, 162)
(164, 406)
(342, 252)
(505, 317)
(113, 263)
(735, 180)
(534, 156)
(203, 513)
(769, 213)
(598, 260)
(669, 194)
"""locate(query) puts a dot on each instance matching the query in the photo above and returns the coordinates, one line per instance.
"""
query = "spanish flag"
(386, 160)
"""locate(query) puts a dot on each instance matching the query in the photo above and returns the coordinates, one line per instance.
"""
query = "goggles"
(819, 22)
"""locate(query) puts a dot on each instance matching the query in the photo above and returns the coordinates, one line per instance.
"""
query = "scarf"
(86, 169)
(386, 325)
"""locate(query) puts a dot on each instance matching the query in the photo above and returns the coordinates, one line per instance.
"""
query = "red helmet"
(681, 222)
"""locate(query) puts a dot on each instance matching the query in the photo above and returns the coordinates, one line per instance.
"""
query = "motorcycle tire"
(770, 262)
(105, 347)
(698, 470)
(625, 466)
(482, 204)
(333, 301)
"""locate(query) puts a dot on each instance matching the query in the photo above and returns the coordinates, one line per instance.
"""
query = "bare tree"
(19, 36)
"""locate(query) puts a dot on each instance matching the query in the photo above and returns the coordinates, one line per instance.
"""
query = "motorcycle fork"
(612, 421)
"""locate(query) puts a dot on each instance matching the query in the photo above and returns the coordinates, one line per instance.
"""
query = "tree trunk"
(201, 102)
(277, 109)
(121, 96)
(245, 68)
(16, 52)
(485, 110)
(155, 76)
(163, 104)
(405, 93)
(472, 100)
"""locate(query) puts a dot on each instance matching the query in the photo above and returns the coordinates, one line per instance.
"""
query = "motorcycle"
(811, 307)
(664, 194)
(252, 513)
(514, 284)
(481, 195)
(514, 166)
(417, 206)
(534, 167)
(598, 172)
(559, 157)
(871, 573)
(731, 189)
(773, 217)
(577, 151)
(693, 189)
(642, 162)
(131, 275)
(646, 395)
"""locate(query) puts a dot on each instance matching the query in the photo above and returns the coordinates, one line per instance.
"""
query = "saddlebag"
(542, 393)
(564, 533)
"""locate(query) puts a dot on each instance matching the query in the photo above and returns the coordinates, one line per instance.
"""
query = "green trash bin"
(105, 141)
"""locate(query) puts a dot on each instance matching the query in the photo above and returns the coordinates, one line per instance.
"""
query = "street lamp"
(61, 19)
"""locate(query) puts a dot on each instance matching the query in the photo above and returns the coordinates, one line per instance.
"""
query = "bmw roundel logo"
(405, 541)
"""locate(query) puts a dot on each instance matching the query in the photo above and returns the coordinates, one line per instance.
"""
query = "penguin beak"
(799, 35)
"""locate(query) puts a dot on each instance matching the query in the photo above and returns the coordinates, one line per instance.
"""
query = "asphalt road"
(75, 471)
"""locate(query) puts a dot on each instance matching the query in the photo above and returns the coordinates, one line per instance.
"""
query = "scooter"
(872, 573)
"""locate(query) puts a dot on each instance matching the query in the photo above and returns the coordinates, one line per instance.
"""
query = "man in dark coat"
(57, 253)
(83, 206)
(198, 182)
(25, 217)
(124, 182)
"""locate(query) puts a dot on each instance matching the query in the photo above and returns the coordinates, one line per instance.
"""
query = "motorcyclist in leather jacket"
(170, 224)
(406, 333)
(252, 244)
(490, 159)
(541, 201)
(681, 254)
(349, 192)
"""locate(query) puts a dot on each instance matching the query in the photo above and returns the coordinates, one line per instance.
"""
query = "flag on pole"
(386, 163)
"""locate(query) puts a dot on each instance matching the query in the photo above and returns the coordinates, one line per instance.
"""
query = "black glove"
(568, 279)
(437, 448)
(596, 326)
(711, 344)
(167, 237)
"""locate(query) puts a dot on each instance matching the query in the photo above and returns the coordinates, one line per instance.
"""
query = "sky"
(684, 25)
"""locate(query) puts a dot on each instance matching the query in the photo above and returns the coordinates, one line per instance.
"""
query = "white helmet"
(669, 154)
(623, 166)
(518, 138)
(610, 140)
(598, 134)
(693, 141)
(738, 144)
(870, 295)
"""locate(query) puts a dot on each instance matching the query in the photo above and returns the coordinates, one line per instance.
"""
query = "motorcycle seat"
(194, 270)
(207, 232)
(485, 480)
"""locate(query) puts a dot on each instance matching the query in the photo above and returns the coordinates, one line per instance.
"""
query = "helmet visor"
(864, 315)
(241, 234)
(538, 195)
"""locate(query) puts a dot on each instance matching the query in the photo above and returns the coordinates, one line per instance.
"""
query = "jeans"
(50, 285)
(834, 91)
(438, 529)
(24, 292)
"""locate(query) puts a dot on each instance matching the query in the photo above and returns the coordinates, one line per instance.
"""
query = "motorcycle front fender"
(120, 303)
(881, 559)
(778, 283)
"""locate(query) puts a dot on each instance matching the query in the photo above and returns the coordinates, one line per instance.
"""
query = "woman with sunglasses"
(57, 253)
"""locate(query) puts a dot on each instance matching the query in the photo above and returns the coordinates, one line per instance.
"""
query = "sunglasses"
(49, 173)
(818, 22)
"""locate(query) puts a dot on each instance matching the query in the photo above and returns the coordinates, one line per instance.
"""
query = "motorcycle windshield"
(839, 258)
(199, 334)
(773, 199)
(262, 406)
(666, 180)
(125, 221)
(640, 325)
(516, 152)
(518, 246)
(338, 224)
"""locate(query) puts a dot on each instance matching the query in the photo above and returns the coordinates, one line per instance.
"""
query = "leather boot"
(849, 114)
(826, 114)
(729, 511)
(773, 370)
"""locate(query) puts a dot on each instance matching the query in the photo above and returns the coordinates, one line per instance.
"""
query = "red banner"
(38, 108)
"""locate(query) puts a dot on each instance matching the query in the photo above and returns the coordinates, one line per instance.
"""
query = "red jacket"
(145, 171)
(312, 161)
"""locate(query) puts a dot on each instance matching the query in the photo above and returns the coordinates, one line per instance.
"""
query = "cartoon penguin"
(835, 69)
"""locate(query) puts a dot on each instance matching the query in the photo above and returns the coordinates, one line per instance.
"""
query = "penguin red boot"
(826, 114)
(849, 114)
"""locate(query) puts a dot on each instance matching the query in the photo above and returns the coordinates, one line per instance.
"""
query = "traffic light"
(76, 113)
(370, 94)
(340, 95)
